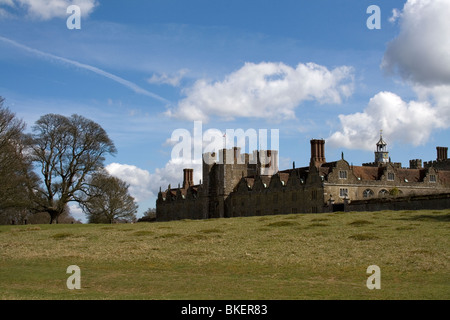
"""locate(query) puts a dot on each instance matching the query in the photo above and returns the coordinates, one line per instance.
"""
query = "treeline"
(60, 162)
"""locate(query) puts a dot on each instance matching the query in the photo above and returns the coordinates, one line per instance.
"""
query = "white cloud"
(420, 53)
(439, 94)
(173, 80)
(265, 90)
(48, 9)
(138, 179)
(144, 185)
(76, 212)
(4, 13)
(407, 122)
(396, 14)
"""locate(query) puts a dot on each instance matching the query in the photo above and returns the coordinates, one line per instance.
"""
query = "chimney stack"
(188, 179)
(441, 153)
(317, 152)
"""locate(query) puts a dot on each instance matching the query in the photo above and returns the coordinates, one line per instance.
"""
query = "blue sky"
(311, 69)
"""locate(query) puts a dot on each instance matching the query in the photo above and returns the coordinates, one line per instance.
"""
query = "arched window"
(383, 193)
(368, 193)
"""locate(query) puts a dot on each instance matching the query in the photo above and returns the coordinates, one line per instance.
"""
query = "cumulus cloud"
(76, 212)
(408, 122)
(264, 90)
(48, 9)
(144, 185)
(420, 53)
(138, 179)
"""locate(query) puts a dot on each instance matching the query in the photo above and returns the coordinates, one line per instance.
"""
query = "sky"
(309, 69)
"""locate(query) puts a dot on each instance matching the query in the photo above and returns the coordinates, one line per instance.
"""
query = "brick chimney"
(441, 153)
(188, 178)
(317, 152)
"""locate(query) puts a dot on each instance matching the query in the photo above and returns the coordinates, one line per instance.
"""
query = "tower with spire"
(381, 155)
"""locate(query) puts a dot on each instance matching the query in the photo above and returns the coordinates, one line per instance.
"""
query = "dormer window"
(390, 176)
(342, 174)
(433, 178)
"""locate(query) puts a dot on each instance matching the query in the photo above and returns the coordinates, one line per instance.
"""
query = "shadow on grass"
(428, 217)
(363, 237)
(282, 224)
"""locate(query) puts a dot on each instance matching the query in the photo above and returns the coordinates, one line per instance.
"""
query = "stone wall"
(428, 202)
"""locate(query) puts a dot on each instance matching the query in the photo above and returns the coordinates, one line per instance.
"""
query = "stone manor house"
(237, 185)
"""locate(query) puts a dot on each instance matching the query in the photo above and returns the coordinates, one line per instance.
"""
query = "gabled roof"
(367, 172)
(411, 175)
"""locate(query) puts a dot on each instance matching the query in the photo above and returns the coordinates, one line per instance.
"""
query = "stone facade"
(238, 184)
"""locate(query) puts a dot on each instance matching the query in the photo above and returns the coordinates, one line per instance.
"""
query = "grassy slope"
(314, 256)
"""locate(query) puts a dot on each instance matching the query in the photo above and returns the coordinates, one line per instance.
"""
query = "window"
(314, 194)
(343, 192)
(342, 174)
(390, 176)
(368, 193)
(432, 178)
(383, 193)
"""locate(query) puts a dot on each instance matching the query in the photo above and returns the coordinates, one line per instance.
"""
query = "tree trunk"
(54, 214)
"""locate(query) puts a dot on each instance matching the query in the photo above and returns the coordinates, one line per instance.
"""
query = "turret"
(381, 155)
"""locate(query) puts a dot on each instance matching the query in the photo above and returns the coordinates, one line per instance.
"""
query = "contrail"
(96, 70)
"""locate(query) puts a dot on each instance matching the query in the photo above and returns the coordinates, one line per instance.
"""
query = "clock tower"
(381, 155)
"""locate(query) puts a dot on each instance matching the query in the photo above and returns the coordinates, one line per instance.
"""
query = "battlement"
(442, 161)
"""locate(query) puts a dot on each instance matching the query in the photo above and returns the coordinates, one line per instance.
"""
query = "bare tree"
(17, 179)
(67, 150)
(149, 215)
(108, 200)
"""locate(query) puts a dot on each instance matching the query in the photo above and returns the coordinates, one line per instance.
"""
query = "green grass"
(309, 256)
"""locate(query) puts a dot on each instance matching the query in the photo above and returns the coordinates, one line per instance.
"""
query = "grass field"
(309, 256)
